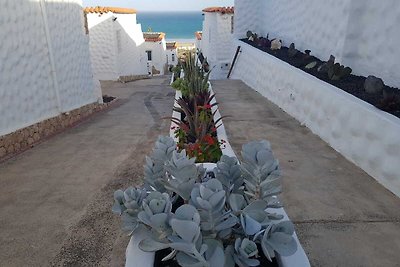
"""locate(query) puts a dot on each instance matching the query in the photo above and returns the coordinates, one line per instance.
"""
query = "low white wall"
(363, 134)
(31, 89)
(361, 34)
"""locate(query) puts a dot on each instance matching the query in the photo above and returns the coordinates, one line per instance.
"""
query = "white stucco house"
(172, 53)
(155, 52)
(45, 66)
(115, 42)
(217, 39)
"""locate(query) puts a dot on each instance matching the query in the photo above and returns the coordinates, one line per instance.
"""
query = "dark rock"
(373, 85)
(389, 92)
(327, 65)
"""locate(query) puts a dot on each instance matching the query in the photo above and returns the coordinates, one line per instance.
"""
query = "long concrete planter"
(137, 258)
(365, 135)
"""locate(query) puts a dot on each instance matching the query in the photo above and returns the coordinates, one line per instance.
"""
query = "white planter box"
(365, 135)
(137, 258)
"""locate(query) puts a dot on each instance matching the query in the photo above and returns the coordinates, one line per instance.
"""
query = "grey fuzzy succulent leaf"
(183, 172)
(118, 206)
(237, 202)
(154, 168)
(129, 223)
(229, 174)
(260, 171)
(128, 203)
(154, 173)
(229, 260)
(156, 214)
(163, 149)
(279, 238)
(150, 245)
(250, 226)
(244, 253)
(214, 255)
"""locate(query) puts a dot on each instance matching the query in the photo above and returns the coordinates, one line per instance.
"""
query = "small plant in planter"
(223, 220)
(338, 72)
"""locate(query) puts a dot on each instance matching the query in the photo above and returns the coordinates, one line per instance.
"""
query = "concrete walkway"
(55, 199)
(342, 215)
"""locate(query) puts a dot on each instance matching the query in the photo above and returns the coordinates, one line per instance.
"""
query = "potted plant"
(198, 220)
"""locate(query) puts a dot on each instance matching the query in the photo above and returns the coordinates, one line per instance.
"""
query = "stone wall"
(25, 138)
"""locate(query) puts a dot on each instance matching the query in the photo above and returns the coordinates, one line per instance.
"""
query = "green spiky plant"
(223, 220)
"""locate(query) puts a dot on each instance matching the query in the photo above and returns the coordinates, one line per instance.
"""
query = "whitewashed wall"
(363, 134)
(361, 34)
(115, 41)
(169, 53)
(28, 88)
(159, 54)
(217, 43)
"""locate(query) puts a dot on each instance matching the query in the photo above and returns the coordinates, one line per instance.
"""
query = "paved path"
(342, 215)
(55, 199)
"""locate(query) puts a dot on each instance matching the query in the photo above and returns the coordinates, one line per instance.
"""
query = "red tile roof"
(153, 36)
(116, 10)
(198, 35)
(222, 10)
(172, 45)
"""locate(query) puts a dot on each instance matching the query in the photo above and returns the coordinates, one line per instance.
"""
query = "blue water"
(176, 25)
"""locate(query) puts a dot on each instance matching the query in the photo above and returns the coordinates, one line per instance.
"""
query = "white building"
(45, 66)
(172, 53)
(155, 52)
(217, 40)
(115, 42)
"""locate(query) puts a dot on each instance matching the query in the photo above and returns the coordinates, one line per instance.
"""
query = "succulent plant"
(154, 169)
(209, 198)
(338, 72)
(279, 238)
(245, 253)
(292, 51)
(261, 171)
(327, 65)
(128, 203)
(214, 219)
(229, 174)
(156, 213)
(183, 174)
(249, 34)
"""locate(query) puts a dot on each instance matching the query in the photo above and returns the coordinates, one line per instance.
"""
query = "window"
(173, 57)
(149, 56)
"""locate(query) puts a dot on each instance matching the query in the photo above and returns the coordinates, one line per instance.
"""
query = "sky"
(160, 5)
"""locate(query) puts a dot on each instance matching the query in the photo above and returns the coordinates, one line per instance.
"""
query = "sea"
(178, 26)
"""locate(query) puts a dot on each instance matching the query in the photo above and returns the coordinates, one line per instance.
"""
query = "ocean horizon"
(178, 26)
